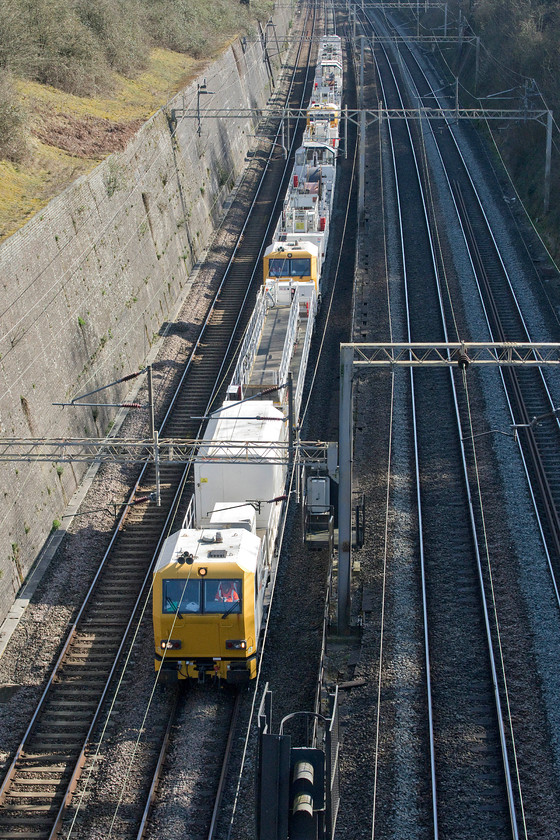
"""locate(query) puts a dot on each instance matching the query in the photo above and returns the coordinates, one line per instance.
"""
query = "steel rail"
(525, 419)
(82, 757)
(266, 628)
(234, 329)
(71, 635)
(474, 530)
(494, 322)
(225, 766)
(159, 768)
(426, 641)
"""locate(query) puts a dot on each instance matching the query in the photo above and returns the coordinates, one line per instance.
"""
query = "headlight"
(236, 644)
(170, 644)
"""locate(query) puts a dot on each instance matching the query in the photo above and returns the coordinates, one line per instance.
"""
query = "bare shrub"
(13, 143)
(17, 52)
(75, 45)
(120, 28)
(69, 57)
(190, 26)
(173, 25)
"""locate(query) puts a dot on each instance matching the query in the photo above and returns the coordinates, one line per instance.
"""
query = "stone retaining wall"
(87, 283)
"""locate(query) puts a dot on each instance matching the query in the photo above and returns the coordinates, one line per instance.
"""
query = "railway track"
(298, 613)
(202, 803)
(462, 769)
(469, 767)
(41, 780)
(528, 392)
(203, 726)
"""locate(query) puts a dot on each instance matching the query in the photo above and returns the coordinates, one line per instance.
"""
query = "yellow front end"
(295, 265)
(197, 632)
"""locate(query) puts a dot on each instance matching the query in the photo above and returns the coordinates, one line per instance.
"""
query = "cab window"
(181, 596)
(300, 267)
(278, 268)
(222, 595)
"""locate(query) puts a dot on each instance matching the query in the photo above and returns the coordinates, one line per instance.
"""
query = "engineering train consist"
(211, 578)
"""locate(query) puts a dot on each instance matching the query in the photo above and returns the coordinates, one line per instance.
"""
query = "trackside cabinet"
(297, 787)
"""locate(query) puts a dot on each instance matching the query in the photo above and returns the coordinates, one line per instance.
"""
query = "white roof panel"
(241, 547)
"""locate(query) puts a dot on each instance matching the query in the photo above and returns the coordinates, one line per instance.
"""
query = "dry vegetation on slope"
(78, 78)
(67, 135)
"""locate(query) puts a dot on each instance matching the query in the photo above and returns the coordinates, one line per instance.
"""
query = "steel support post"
(345, 489)
(156, 465)
(445, 22)
(151, 401)
(271, 23)
(291, 423)
(362, 141)
(154, 433)
(548, 162)
(345, 132)
(362, 167)
(362, 40)
(199, 87)
(476, 62)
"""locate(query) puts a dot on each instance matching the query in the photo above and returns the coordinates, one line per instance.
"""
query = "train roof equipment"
(322, 125)
(307, 210)
(221, 475)
(226, 515)
(218, 550)
(315, 152)
(278, 336)
(327, 84)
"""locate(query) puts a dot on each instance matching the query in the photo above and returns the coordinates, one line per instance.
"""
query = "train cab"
(291, 262)
(207, 605)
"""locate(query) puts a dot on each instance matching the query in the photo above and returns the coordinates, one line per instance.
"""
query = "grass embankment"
(70, 135)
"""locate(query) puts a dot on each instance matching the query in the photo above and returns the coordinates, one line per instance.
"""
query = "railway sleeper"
(43, 808)
(39, 780)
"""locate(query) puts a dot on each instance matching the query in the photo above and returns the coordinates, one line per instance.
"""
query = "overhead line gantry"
(396, 355)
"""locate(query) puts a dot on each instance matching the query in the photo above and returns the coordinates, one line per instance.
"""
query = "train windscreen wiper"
(230, 609)
(173, 606)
